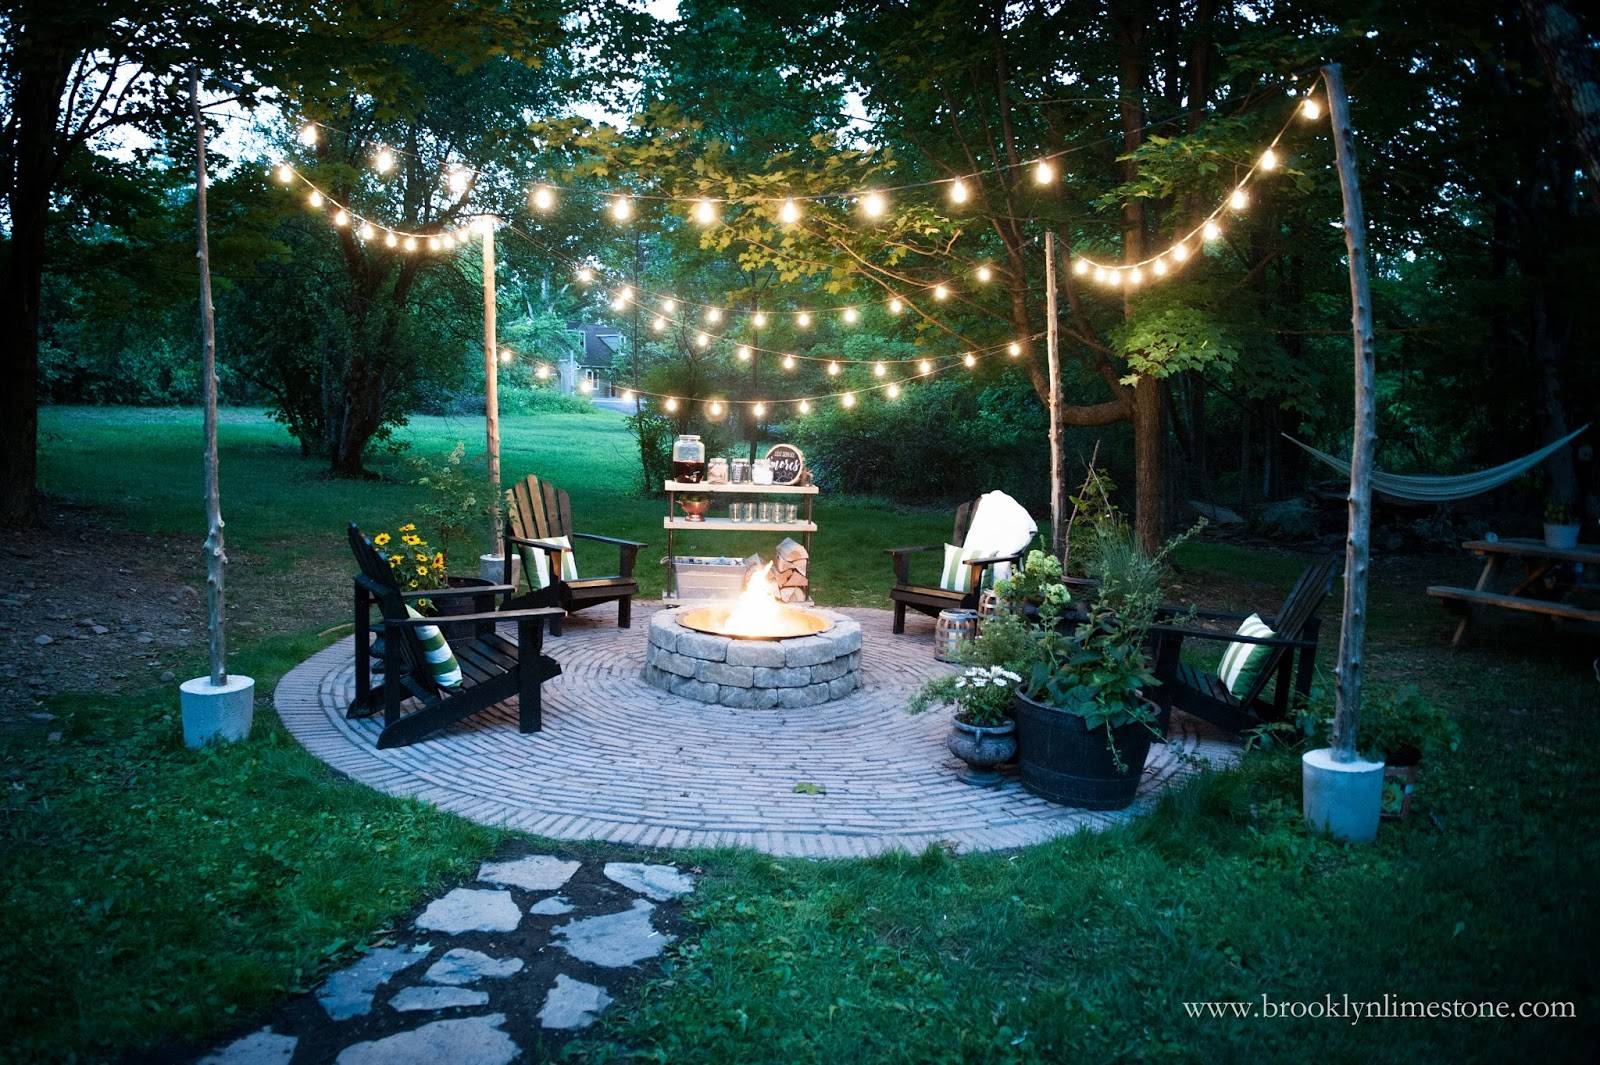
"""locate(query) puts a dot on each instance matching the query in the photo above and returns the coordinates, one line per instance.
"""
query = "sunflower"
(438, 559)
(422, 571)
(411, 539)
(395, 560)
(408, 527)
(381, 539)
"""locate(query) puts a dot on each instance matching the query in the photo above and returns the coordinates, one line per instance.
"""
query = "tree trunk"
(36, 109)
(215, 555)
(1569, 60)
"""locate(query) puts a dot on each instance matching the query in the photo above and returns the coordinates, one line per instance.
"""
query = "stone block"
(749, 698)
(782, 678)
(722, 673)
(808, 651)
(703, 645)
(810, 695)
(664, 631)
(847, 633)
(755, 653)
(839, 687)
(668, 662)
(694, 689)
(829, 670)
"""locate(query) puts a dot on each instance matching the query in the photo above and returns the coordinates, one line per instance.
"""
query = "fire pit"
(755, 652)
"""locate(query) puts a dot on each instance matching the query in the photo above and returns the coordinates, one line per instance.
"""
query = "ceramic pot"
(984, 749)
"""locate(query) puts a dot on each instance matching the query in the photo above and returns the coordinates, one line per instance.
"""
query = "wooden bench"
(1462, 600)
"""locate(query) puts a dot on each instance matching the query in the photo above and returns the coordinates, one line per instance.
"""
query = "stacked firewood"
(791, 567)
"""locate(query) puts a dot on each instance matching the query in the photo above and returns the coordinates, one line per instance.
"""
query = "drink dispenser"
(688, 459)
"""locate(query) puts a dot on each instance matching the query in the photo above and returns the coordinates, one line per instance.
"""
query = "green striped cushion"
(536, 563)
(1242, 662)
(441, 660)
(956, 575)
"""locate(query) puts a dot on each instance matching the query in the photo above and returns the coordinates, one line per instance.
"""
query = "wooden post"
(1347, 708)
(216, 557)
(1053, 362)
(491, 384)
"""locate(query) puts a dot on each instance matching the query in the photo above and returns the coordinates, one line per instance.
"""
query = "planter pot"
(1399, 781)
(1063, 761)
(1562, 537)
(983, 749)
(462, 604)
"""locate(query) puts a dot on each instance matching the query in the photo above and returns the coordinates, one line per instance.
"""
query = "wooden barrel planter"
(1062, 760)
(443, 608)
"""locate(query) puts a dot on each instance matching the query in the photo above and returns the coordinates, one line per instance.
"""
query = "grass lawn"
(155, 893)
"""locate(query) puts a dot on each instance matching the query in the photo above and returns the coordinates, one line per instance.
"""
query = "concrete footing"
(217, 711)
(493, 568)
(1342, 799)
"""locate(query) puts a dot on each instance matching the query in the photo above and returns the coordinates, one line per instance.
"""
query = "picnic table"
(1551, 576)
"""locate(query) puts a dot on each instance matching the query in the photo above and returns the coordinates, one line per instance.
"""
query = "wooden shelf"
(741, 489)
(724, 525)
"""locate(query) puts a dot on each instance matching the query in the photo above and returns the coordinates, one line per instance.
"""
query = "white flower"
(979, 682)
(961, 682)
(1012, 677)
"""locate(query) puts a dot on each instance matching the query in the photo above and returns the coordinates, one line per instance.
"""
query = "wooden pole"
(1053, 361)
(491, 384)
(1352, 632)
(216, 556)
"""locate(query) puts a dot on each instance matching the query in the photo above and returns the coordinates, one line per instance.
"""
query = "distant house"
(591, 362)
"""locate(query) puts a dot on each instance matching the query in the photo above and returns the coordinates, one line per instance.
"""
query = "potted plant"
(1405, 731)
(418, 567)
(981, 733)
(1560, 525)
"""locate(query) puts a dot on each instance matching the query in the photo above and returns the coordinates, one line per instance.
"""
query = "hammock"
(1423, 488)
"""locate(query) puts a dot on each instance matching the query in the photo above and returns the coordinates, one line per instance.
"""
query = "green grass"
(156, 893)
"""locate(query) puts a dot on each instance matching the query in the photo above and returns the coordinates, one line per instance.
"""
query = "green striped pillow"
(1243, 662)
(441, 660)
(536, 563)
(956, 575)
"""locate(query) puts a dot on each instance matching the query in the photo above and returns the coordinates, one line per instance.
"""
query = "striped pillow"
(536, 563)
(441, 660)
(1243, 662)
(956, 575)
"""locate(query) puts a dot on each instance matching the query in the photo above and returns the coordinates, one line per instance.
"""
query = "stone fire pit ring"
(754, 674)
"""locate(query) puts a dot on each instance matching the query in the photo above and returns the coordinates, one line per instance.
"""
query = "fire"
(757, 611)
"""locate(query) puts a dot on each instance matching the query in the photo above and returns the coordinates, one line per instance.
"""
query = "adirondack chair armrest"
(492, 615)
(900, 560)
(996, 560)
(909, 550)
(445, 593)
(1229, 637)
(635, 544)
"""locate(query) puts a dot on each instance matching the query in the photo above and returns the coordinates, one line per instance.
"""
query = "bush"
(540, 401)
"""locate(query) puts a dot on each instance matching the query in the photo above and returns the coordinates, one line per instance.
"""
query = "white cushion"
(1000, 526)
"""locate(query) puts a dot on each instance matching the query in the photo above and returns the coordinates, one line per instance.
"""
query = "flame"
(757, 611)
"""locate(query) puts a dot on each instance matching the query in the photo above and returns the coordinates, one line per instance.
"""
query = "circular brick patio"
(621, 761)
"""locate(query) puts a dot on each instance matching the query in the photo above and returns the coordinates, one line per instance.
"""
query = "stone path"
(624, 762)
(486, 974)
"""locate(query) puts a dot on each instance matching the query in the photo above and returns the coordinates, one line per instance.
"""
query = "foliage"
(541, 400)
(1392, 722)
(417, 567)
(981, 695)
(1558, 512)
(455, 498)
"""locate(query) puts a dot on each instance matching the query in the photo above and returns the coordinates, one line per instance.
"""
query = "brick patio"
(624, 762)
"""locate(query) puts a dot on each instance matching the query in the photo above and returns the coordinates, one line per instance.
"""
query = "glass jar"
(749, 512)
(739, 471)
(791, 512)
(717, 471)
(734, 513)
(688, 459)
(761, 472)
(766, 510)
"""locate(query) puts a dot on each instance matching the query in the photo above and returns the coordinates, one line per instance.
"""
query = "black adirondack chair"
(1290, 659)
(540, 511)
(493, 669)
(925, 599)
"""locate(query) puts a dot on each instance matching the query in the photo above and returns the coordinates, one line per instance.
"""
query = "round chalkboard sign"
(788, 465)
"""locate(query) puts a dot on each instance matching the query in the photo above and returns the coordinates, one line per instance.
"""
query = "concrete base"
(217, 712)
(493, 568)
(1342, 799)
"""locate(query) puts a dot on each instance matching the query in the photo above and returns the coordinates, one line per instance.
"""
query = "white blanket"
(1000, 526)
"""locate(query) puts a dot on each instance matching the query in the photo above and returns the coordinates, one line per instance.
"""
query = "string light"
(1238, 201)
(1100, 274)
(544, 197)
(1043, 172)
(940, 292)
(789, 213)
(542, 373)
(879, 369)
(713, 314)
(411, 244)
(714, 409)
(1269, 160)
(1180, 252)
(390, 240)
(873, 205)
(759, 410)
(1134, 276)
(984, 274)
(457, 181)
(505, 356)
(621, 208)
(743, 353)
(893, 391)
(705, 212)
(285, 173)
(788, 362)
(669, 305)
(433, 243)
(383, 161)
(1081, 267)
(848, 399)
(586, 385)
(804, 406)
(1211, 231)
(924, 366)
(958, 191)
(585, 275)
(658, 323)
(315, 198)
(759, 320)
(308, 134)
(1310, 109)
(701, 340)
(341, 218)
(627, 395)
(365, 232)
(851, 315)
(670, 404)
(1159, 268)
(1013, 349)
(969, 360)
(896, 305)
(833, 369)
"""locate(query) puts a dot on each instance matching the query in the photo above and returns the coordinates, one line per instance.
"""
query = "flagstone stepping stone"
(613, 940)
(464, 966)
(471, 910)
(572, 1003)
(463, 1041)
(422, 997)
(265, 1047)
(348, 992)
(659, 882)
(536, 872)
(554, 906)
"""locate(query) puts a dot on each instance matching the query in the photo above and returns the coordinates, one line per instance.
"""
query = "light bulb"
(383, 162)
(893, 391)
(627, 395)
(879, 369)
(626, 295)
(1269, 160)
(658, 323)
(544, 197)
(1043, 172)
(585, 275)
(308, 134)
(457, 181)
(315, 198)
(390, 240)
(1100, 274)
(285, 173)
(743, 353)
(1159, 268)
(670, 404)
(1311, 109)
(586, 385)
(984, 273)
(1013, 349)
(705, 212)
(969, 360)
(873, 205)
(805, 406)
(896, 305)
(924, 366)
(1081, 267)
(789, 213)
(1238, 200)
(1114, 277)
(669, 305)
(1211, 231)
(713, 314)
(1135, 276)
(433, 243)
(833, 369)
(803, 319)
(759, 320)
(411, 244)
(542, 372)
(505, 355)
(940, 292)
(618, 303)
(701, 340)
(714, 409)
(340, 218)
(958, 191)
(788, 362)
(848, 399)
(759, 410)
(365, 233)
(1180, 252)
(449, 240)
(622, 208)
(851, 315)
